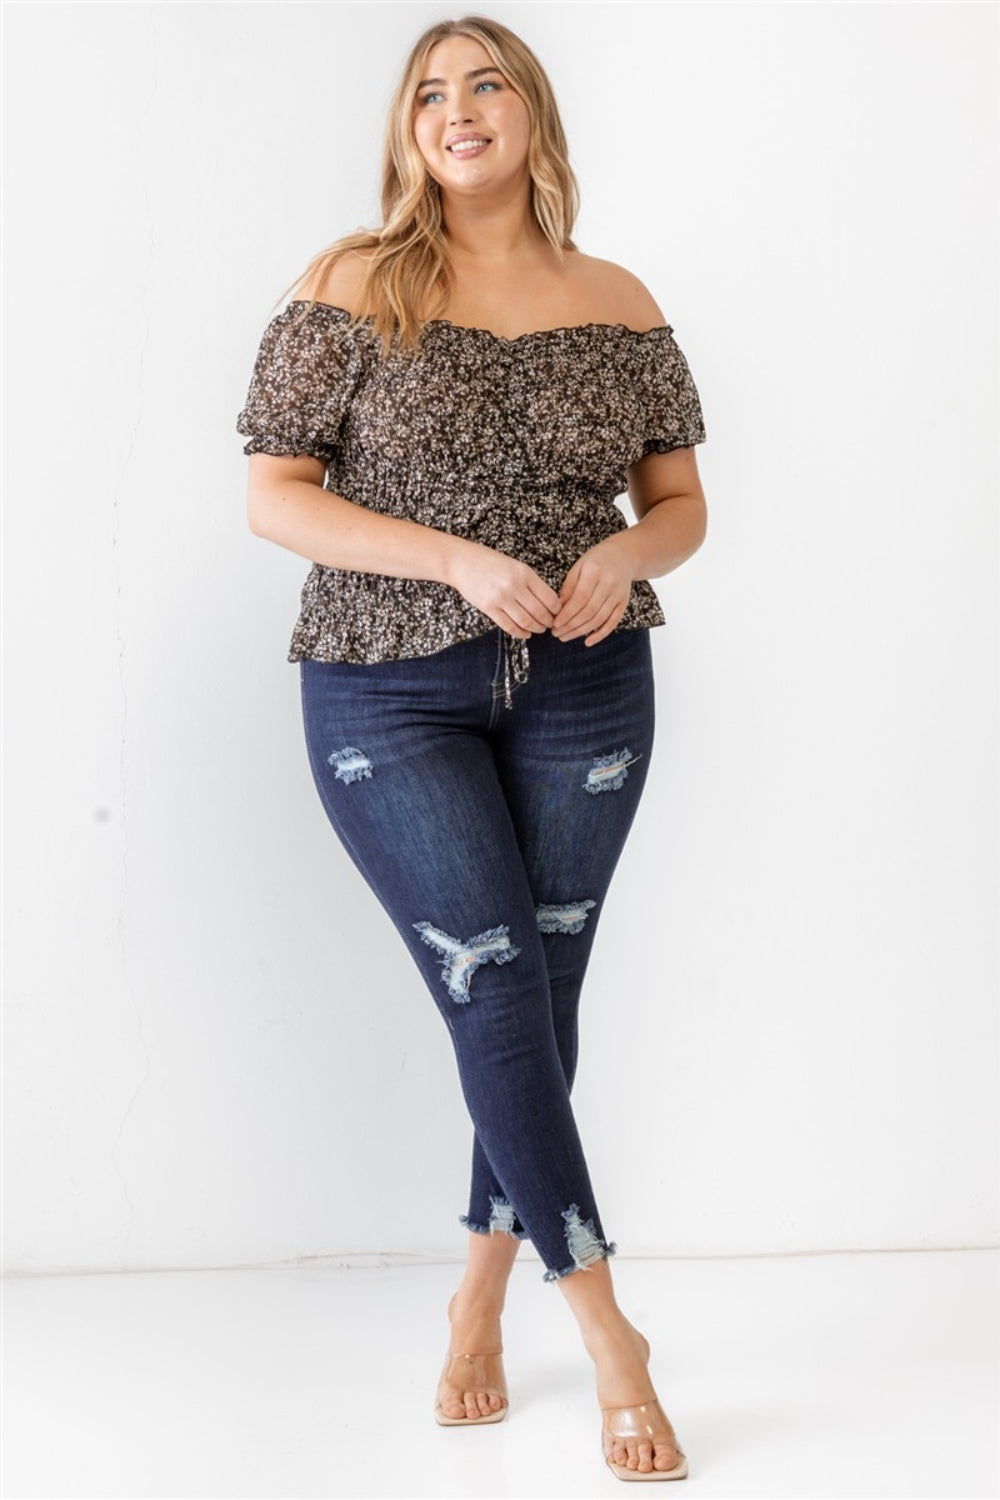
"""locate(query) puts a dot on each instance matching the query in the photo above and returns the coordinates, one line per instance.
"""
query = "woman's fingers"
(605, 627)
(529, 618)
(590, 614)
(531, 604)
(582, 611)
(580, 589)
(520, 601)
(547, 597)
(594, 623)
(511, 626)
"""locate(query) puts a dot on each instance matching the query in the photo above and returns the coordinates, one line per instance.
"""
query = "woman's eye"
(483, 83)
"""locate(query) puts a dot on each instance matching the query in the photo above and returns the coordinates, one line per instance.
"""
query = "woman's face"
(450, 104)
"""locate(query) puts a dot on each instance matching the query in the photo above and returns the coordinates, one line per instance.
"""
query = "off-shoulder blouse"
(520, 443)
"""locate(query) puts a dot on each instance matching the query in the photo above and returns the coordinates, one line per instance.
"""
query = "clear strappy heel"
(472, 1372)
(646, 1423)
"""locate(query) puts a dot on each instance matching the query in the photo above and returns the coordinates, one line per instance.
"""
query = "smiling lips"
(473, 145)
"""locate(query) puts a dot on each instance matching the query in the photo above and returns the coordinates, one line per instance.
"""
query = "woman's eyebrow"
(472, 73)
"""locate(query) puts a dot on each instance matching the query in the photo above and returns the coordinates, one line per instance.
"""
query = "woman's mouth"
(468, 148)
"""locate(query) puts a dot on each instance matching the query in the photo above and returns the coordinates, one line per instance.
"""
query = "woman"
(440, 421)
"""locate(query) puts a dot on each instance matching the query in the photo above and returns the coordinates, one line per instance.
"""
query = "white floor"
(869, 1375)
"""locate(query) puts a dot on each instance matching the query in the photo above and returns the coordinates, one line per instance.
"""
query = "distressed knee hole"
(351, 764)
(608, 772)
(461, 960)
(567, 918)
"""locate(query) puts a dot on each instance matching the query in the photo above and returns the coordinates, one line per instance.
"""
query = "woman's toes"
(470, 1404)
(645, 1458)
(666, 1457)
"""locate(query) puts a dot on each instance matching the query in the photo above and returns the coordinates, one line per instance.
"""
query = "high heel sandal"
(478, 1372)
(648, 1423)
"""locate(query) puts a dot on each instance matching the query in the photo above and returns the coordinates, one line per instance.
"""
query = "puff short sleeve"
(303, 380)
(670, 406)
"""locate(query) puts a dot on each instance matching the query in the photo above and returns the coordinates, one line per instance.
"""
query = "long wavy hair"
(408, 265)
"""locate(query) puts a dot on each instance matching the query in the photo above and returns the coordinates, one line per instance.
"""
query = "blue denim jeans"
(490, 833)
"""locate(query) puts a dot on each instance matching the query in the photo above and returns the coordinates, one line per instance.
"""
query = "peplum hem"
(415, 621)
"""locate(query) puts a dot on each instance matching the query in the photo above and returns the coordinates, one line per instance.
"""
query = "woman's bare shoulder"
(341, 285)
(620, 294)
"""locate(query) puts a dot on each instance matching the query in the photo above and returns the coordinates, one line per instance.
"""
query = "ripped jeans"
(490, 835)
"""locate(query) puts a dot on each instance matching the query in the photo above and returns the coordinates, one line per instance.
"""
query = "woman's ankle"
(608, 1331)
(479, 1298)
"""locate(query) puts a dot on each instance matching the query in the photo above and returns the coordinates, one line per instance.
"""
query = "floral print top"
(519, 443)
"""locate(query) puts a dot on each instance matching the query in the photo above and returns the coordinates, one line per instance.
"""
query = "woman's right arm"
(286, 504)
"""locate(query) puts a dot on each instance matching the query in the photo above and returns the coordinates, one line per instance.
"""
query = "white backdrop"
(217, 1051)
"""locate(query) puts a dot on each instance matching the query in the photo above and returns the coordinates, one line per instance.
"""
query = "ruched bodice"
(522, 444)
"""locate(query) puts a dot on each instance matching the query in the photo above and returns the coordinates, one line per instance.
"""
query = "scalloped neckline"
(499, 338)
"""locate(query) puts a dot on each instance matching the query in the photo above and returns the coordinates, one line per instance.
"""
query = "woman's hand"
(595, 593)
(510, 592)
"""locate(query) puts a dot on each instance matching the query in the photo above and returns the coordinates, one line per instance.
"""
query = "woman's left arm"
(672, 518)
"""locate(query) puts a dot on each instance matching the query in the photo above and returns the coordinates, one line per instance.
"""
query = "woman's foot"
(475, 1388)
(621, 1358)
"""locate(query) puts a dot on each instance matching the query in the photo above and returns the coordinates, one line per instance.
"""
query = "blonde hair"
(407, 258)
